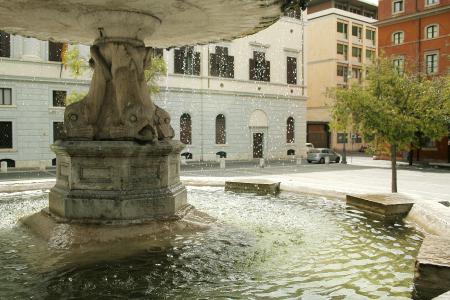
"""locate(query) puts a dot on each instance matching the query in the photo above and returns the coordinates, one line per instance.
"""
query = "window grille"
(186, 129)
(220, 129)
(6, 138)
(290, 130)
(59, 98)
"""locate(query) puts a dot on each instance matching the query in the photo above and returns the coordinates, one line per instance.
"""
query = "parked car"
(309, 146)
(318, 155)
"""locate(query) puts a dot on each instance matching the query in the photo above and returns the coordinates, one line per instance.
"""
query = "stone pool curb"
(422, 214)
(26, 185)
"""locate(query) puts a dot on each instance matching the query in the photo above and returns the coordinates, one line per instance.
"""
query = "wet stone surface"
(388, 206)
(432, 275)
(257, 186)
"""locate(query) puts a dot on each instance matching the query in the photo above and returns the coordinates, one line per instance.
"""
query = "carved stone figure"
(118, 105)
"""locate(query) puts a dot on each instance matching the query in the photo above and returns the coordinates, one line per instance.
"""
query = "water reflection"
(290, 246)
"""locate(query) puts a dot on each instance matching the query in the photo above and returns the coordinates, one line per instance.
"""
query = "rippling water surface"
(262, 247)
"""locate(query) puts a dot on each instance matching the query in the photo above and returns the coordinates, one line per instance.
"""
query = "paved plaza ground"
(361, 175)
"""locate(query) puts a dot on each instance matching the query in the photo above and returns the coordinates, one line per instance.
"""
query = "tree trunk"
(410, 156)
(394, 167)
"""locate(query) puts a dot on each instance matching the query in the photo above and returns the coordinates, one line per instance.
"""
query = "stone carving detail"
(118, 105)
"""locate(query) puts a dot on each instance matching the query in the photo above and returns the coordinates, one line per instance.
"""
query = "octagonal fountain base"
(117, 181)
(61, 234)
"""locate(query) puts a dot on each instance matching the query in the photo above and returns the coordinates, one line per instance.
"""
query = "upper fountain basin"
(158, 23)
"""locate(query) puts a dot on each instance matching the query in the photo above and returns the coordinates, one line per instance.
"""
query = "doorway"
(258, 142)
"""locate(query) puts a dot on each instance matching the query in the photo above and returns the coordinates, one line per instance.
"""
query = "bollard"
(183, 160)
(222, 162)
(261, 163)
(299, 160)
(327, 160)
(4, 167)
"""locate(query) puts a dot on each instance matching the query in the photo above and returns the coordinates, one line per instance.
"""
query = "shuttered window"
(259, 67)
(55, 51)
(291, 70)
(187, 61)
(5, 44)
(221, 64)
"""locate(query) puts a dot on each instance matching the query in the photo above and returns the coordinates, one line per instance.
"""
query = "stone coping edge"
(418, 220)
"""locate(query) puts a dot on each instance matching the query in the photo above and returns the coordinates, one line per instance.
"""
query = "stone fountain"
(118, 164)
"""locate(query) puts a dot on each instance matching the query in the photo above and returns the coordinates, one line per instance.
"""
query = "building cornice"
(45, 79)
(233, 93)
(86, 83)
(417, 15)
(340, 13)
(262, 83)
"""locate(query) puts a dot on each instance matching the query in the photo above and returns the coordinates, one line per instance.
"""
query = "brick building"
(416, 33)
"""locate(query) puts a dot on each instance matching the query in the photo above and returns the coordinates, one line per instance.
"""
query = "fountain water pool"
(289, 246)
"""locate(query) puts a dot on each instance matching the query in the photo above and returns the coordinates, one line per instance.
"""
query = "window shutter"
(213, 65)
(196, 63)
(267, 71)
(55, 51)
(292, 70)
(252, 69)
(178, 61)
(5, 44)
(230, 64)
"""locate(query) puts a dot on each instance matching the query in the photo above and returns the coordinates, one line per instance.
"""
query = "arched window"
(220, 129)
(290, 130)
(186, 129)
(398, 37)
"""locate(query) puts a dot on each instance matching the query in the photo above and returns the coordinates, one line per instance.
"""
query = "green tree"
(156, 69)
(391, 107)
(73, 60)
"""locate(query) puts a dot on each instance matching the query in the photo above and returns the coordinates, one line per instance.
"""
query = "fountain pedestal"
(123, 181)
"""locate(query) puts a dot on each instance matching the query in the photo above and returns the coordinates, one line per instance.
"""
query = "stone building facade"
(416, 34)
(340, 59)
(244, 99)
